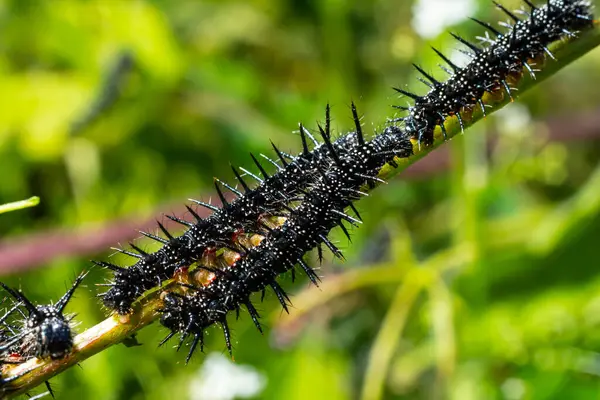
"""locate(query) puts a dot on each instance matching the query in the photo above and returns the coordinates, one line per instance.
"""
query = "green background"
(113, 111)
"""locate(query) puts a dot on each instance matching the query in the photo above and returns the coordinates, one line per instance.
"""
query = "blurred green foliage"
(479, 282)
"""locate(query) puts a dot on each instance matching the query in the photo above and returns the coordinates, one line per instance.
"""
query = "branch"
(116, 329)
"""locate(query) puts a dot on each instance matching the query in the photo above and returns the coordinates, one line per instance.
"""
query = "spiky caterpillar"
(113, 335)
(525, 42)
(248, 213)
(322, 208)
(45, 331)
(307, 225)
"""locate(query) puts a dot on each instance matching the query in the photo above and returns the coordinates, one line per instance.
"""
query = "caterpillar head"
(47, 331)
(50, 333)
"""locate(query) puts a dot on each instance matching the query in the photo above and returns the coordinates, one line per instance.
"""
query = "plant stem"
(19, 205)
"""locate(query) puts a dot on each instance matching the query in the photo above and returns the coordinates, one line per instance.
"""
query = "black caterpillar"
(248, 213)
(346, 169)
(321, 209)
(489, 71)
(511, 52)
(246, 244)
(45, 332)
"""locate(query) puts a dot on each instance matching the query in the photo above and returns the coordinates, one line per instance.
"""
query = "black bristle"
(229, 187)
(505, 11)
(154, 237)
(426, 75)
(107, 265)
(305, 149)
(281, 158)
(408, 94)
(127, 252)
(254, 315)
(164, 230)
(470, 45)
(273, 162)
(194, 214)
(260, 167)
(454, 67)
(329, 145)
(254, 176)
(220, 194)
(227, 336)
(281, 295)
(138, 249)
(487, 26)
(240, 179)
(336, 252)
(357, 125)
(205, 205)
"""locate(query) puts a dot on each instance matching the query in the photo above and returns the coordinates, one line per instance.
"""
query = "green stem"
(114, 330)
(19, 205)
(386, 341)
